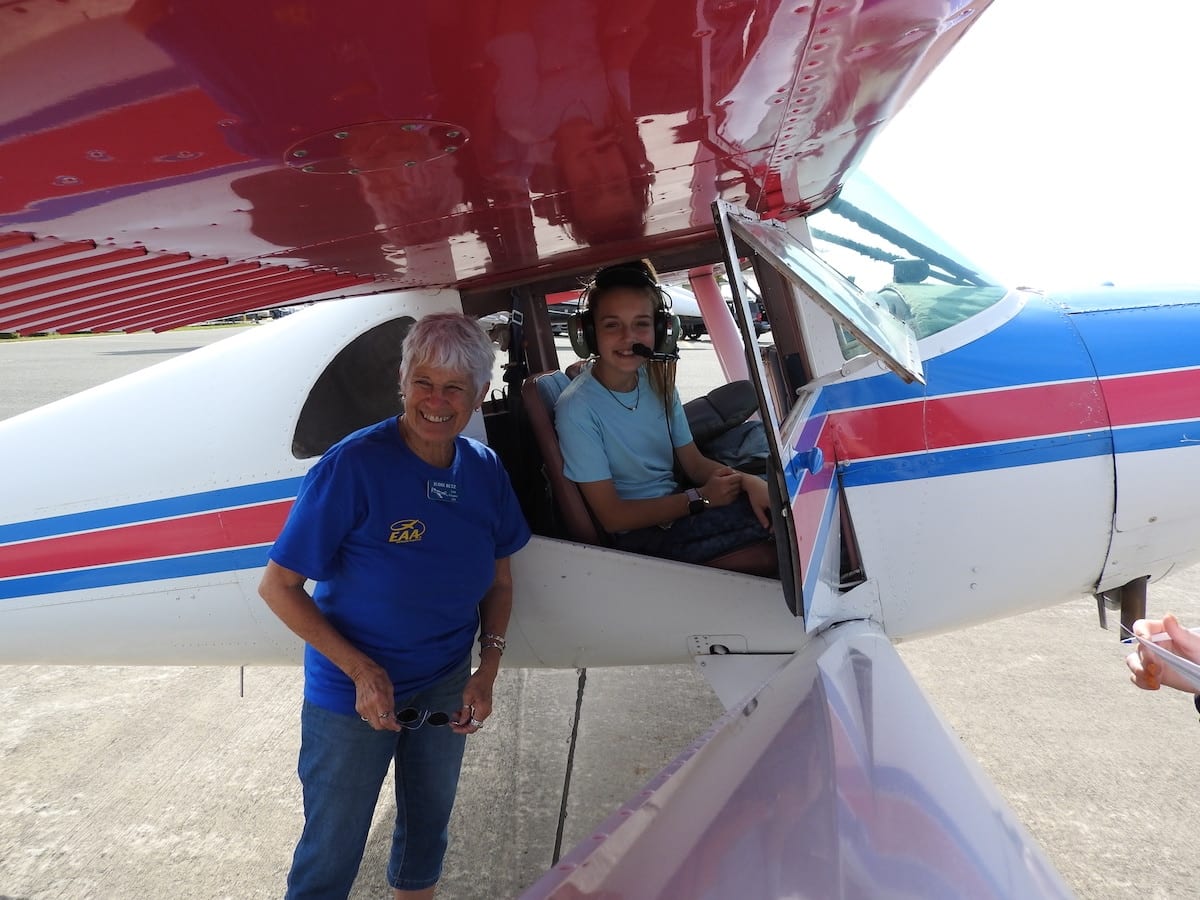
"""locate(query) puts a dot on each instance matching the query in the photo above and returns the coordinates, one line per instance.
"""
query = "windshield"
(895, 260)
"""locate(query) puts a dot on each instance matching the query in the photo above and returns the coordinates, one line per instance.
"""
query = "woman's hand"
(722, 487)
(283, 590)
(477, 701)
(374, 697)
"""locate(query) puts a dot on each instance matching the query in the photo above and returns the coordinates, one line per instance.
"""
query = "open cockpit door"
(813, 310)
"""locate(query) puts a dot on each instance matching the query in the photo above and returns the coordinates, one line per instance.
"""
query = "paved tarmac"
(152, 782)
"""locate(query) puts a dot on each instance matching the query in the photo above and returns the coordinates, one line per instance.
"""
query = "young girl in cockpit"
(621, 428)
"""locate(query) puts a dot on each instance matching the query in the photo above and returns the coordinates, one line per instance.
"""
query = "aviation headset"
(581, 325)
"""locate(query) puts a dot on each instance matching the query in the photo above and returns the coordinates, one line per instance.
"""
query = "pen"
(1156, 638)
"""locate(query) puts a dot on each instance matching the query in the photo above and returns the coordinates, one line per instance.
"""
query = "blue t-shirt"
(402, 553)
(602, 438)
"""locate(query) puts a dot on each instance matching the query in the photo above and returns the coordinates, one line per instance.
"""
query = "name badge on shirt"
(445, 491)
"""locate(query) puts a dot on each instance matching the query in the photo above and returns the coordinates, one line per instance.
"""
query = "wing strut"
(566, 791)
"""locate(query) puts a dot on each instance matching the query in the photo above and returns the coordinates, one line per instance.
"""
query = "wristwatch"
(697, 502)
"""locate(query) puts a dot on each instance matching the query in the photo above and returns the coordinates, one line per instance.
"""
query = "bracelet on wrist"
(497, 639)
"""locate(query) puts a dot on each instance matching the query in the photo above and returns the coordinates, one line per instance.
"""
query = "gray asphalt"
(151, 782)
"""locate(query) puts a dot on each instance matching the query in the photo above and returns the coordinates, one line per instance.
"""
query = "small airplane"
(942, 450)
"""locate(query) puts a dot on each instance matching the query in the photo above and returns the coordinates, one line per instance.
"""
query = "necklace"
(636, 400)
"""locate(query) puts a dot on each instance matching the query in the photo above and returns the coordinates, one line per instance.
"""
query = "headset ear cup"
(666, 325)
(669, 343)
(582, 333)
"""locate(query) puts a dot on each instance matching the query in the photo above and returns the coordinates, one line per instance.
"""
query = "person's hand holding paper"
(1167, 654)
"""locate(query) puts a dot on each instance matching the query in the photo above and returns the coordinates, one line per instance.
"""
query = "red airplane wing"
(255, 154)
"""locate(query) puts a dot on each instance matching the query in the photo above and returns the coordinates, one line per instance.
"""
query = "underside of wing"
(176, 168)
(834, 779)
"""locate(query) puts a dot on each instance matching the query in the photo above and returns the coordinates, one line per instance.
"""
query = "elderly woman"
(407, 528)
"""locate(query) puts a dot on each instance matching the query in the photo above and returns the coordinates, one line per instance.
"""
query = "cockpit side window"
(359, 387)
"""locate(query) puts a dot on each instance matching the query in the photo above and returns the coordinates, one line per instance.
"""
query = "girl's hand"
(760, 499)
(722, 487)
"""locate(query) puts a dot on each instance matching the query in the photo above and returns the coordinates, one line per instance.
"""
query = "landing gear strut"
(1129, 598)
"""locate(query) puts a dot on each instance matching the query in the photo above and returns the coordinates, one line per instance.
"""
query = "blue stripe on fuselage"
(1165, 436)
(1149, 338)
(151, 510)
(965, 460)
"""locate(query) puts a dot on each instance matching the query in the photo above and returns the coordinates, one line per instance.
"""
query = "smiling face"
(438, 404)
(623, 317)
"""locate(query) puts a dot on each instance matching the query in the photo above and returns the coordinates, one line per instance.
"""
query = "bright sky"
(1056, 146)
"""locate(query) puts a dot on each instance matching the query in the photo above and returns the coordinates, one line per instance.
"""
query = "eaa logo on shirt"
(406, 531)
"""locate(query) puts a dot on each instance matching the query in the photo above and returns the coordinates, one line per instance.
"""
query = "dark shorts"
(697, 539)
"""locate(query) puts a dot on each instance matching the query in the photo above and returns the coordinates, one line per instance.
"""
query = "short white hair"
(449, 341)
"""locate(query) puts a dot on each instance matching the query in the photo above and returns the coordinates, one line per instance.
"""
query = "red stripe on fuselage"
(964, 420)
(808, 508)
(242, 527)
(1153, 397)
(1013, 415)
(810, 500)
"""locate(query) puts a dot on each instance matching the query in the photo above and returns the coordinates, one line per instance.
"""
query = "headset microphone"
(645, 352)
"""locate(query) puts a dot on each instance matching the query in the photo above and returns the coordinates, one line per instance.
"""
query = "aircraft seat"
(539, 393)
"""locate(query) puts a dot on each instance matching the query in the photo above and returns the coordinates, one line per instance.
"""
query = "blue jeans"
(343, 762)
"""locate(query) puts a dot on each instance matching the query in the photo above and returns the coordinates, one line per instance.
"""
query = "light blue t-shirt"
(402, 553)
(602, 438)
